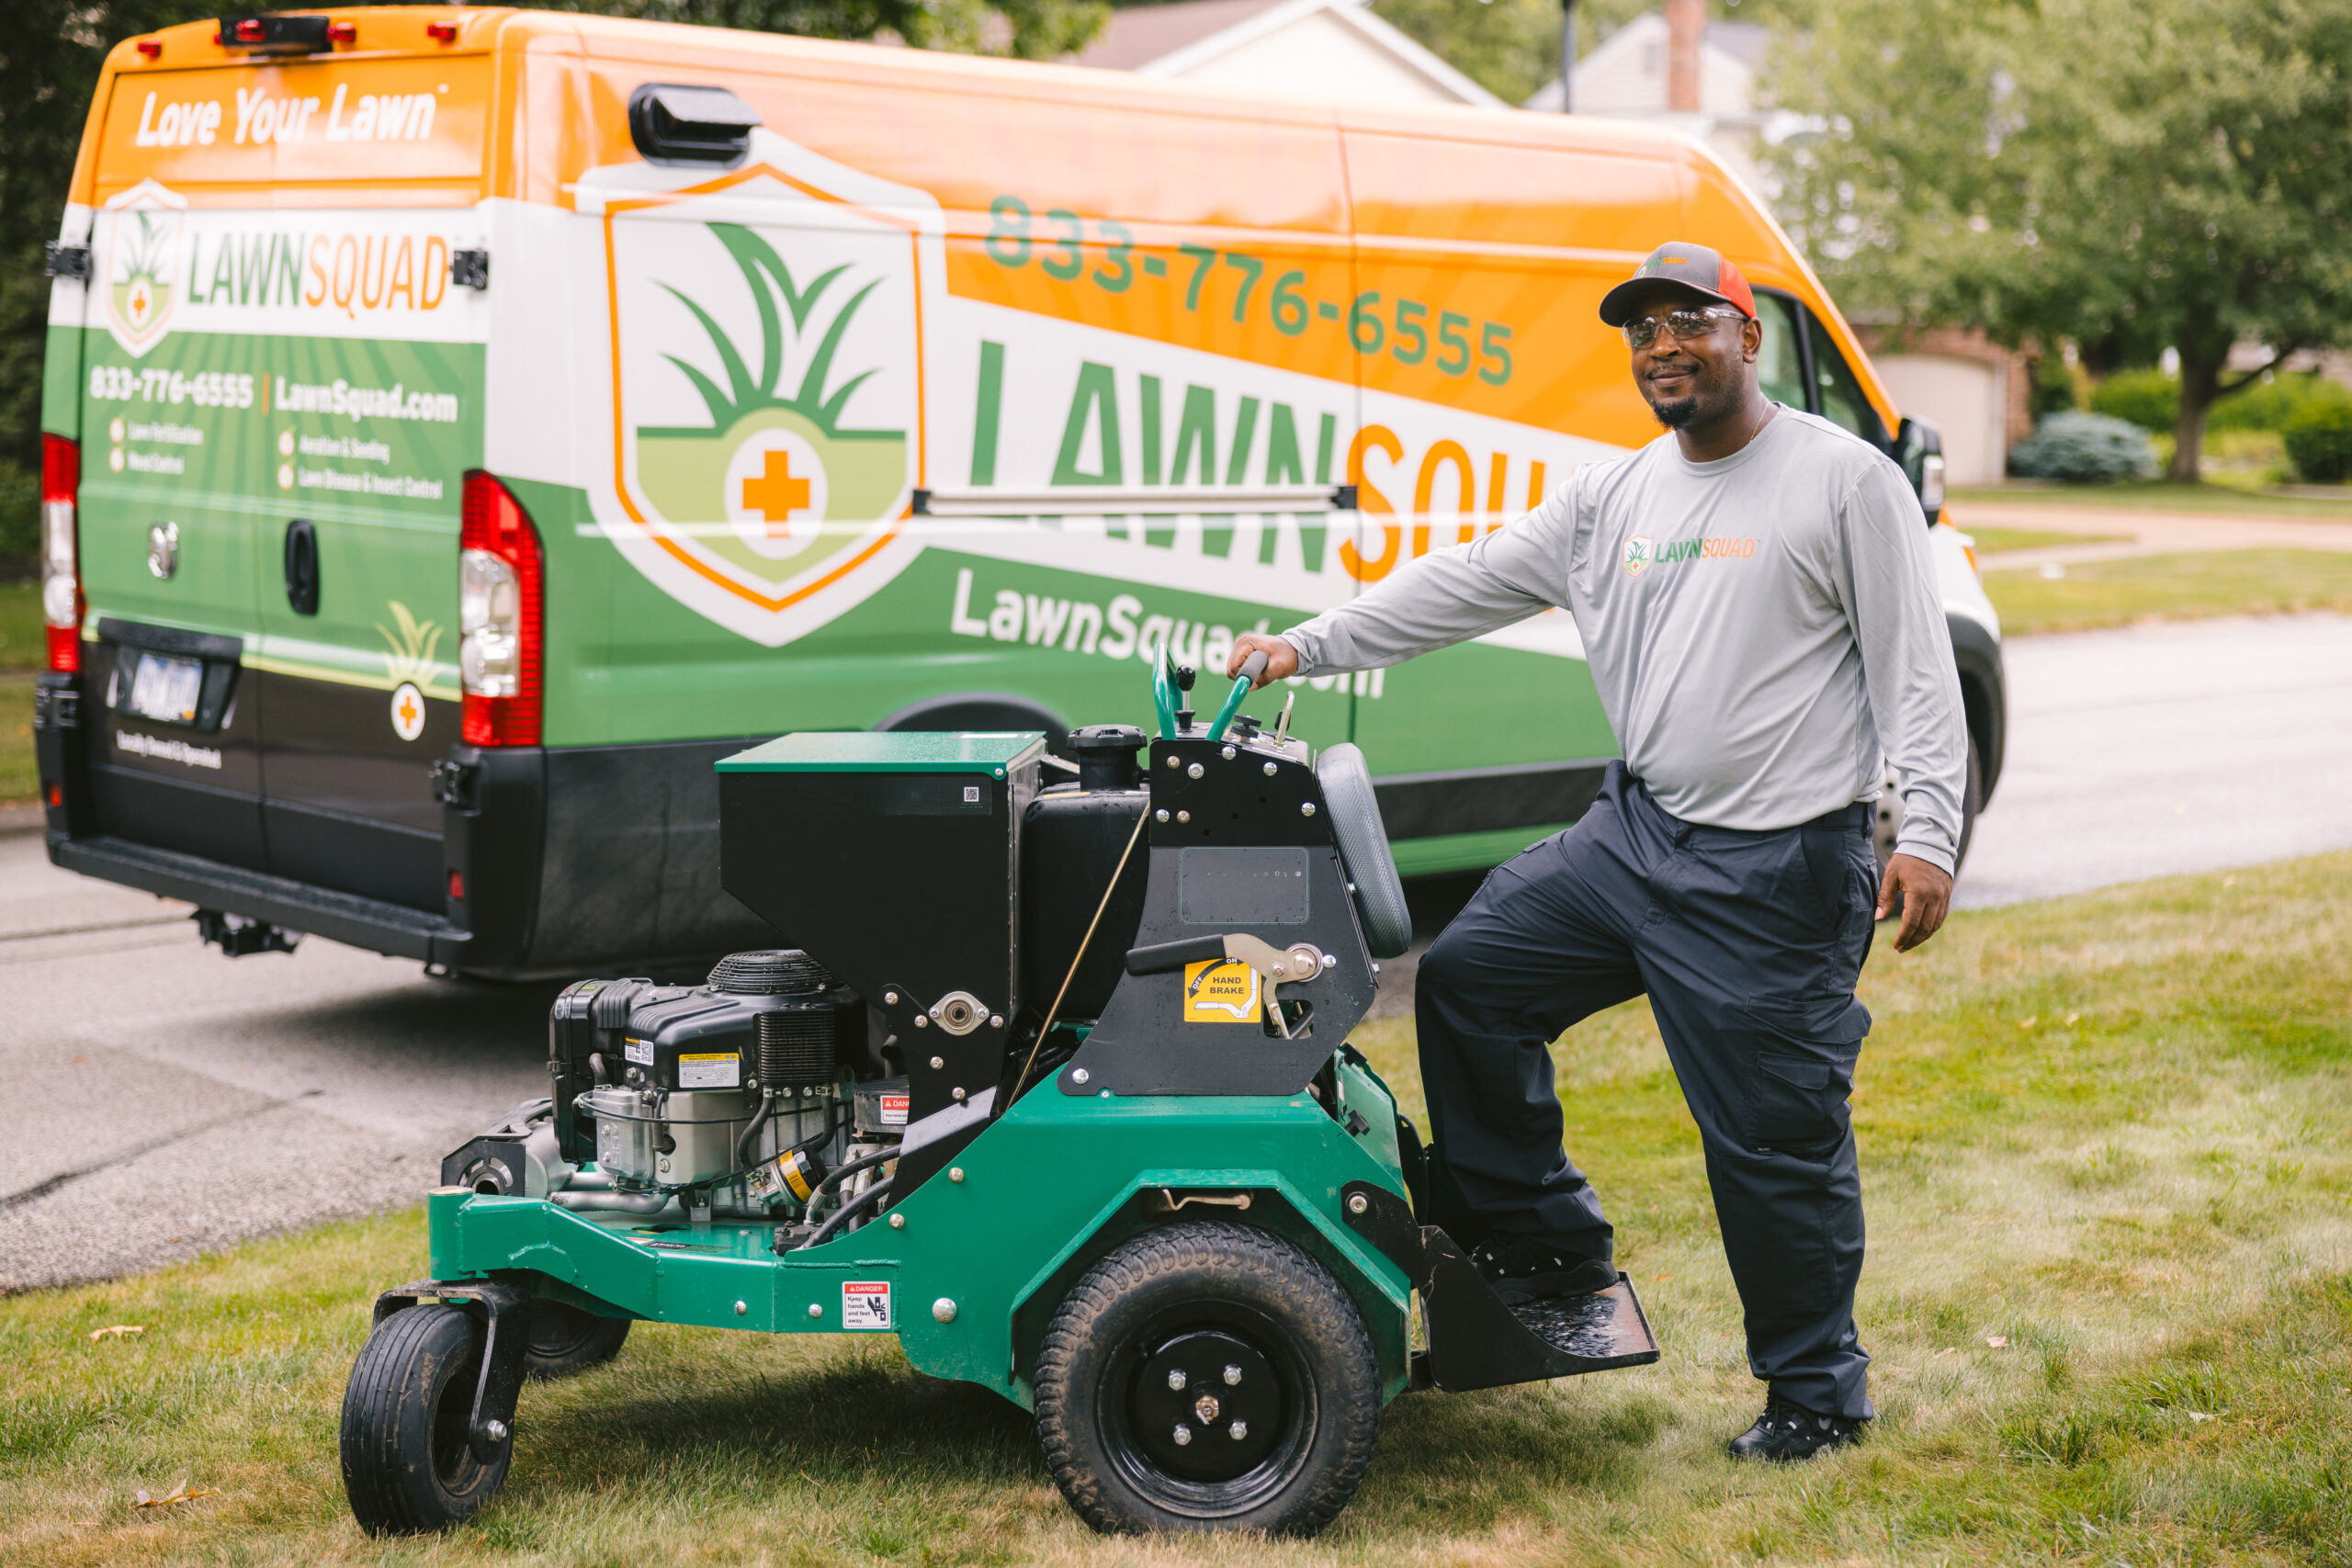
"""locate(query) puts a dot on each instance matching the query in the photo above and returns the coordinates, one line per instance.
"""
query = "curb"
(20, 817)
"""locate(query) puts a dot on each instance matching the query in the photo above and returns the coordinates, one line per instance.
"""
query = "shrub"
(2051, 388)
(2319, 441)
(2271, 404)
(2149, 399)
(2085, 449)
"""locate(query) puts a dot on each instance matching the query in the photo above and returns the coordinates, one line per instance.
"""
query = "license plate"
(167, 688)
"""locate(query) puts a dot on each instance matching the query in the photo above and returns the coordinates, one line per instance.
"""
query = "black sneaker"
(1528, 1267)
(1786, 1433)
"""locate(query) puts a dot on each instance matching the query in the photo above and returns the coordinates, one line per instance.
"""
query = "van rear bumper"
(369, 923)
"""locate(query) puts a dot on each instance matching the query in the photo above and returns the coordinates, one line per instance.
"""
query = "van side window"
(1779, 363)
(1841, 395)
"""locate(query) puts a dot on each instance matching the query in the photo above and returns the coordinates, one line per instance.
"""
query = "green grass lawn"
(2159, 496)
(1991, 539)
(2118, 593)
(19, 779)
(24, 646)
(24, 636)
(2107, 1148)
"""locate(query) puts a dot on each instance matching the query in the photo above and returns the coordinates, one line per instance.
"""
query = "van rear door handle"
(302, 567)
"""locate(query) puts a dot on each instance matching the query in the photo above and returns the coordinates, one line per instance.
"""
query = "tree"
(2134, 174)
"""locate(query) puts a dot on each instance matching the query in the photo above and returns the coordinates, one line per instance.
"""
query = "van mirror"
(1919, 449)
(674, 124)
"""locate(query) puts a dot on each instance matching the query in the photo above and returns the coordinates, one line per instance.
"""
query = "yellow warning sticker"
(1221, 990)
(709, 1069)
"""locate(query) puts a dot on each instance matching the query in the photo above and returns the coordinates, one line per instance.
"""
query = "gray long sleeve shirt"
(1765, 630)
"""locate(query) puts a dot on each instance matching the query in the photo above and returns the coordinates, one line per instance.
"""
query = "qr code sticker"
(865, 1303)
(971, 794)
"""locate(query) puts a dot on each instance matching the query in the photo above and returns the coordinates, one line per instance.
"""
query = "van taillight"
(500, 615)
(61, 563)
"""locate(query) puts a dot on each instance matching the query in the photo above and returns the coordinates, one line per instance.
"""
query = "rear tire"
(406, 1464)
(1149, 1342)
(565, 1340)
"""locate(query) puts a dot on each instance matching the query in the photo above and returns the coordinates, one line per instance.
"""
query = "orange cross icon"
(408, 713)
(775, 494)
(138, 301)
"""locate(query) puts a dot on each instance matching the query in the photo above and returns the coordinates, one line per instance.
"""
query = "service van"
(465, 425)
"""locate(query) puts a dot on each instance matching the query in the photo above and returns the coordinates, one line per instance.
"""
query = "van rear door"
(167, 521)
(304, 387)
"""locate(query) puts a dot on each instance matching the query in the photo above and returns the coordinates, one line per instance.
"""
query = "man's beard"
(1676, 413)
(1705, 398)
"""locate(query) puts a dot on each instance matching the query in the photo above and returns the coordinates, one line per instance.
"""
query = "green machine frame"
(968, 1292)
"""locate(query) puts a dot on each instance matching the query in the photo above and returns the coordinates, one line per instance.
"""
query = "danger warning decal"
(865, 1303)
(1221, 990)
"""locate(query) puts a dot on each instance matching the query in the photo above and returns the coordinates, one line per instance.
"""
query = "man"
(1758, 686)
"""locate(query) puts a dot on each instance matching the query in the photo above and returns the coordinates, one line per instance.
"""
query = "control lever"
(1251, 668)
(1299, 963)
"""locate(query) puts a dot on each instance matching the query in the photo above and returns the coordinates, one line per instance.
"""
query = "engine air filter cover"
(770, 971)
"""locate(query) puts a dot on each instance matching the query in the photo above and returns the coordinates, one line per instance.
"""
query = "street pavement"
(164, 1101)
(2169, 748)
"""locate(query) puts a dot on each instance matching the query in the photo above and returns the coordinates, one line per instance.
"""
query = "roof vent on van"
(674, 124)
(282, 33)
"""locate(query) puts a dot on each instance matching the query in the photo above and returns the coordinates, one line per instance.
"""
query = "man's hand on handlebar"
(1282, 659)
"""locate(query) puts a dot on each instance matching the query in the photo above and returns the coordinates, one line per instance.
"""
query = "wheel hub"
(1206, 1407)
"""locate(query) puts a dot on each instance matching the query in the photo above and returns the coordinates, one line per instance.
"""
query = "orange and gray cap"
(1693, 266)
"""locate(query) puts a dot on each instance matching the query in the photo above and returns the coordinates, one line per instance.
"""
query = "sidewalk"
(2151, 533)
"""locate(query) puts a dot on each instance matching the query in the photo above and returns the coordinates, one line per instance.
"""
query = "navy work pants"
(1747, 944)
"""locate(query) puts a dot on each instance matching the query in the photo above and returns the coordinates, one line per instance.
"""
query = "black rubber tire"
(1971, 801)
(1181, 1279)
(566, 1339)
(406, 1466)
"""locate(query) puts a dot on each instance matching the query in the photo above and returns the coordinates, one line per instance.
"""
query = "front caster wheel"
(407, 1466)
(1207, 1376)
(564, 1339)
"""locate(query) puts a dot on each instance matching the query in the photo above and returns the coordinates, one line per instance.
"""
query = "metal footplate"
(1475, 1338)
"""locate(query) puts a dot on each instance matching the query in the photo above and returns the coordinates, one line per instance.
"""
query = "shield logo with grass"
(766, 381)
(140, 284)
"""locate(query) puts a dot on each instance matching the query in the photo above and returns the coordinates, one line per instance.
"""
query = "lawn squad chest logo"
(141, 283)
(1639, 551)
(766, 384)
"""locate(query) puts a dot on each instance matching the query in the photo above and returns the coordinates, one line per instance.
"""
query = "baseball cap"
(1693, 266)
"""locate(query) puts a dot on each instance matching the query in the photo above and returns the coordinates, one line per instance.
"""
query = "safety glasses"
(1695, 322)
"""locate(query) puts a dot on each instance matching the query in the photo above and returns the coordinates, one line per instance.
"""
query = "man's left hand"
(1926, 892)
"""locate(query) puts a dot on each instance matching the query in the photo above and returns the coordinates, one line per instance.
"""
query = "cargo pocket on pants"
(1804, 1074)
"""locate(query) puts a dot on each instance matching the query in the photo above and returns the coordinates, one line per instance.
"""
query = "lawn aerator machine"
(1053, 1084)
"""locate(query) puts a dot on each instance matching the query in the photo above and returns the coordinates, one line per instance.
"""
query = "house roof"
(1187, 36)
(1138, 34)
(1746, 42)
(1733, 50)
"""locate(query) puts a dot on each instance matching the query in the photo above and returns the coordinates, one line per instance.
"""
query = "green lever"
(1164, 695)
(1251, 668)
